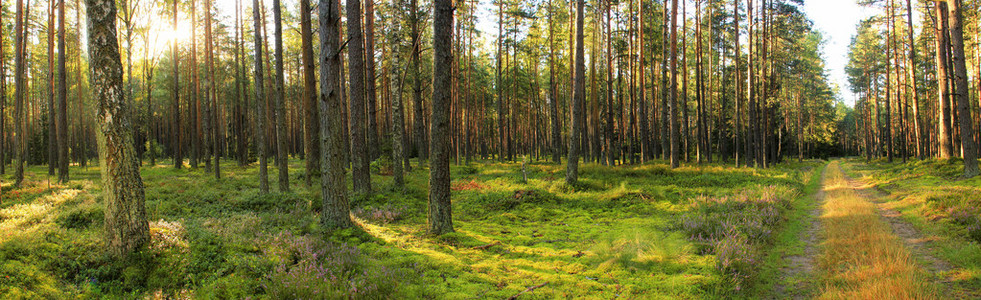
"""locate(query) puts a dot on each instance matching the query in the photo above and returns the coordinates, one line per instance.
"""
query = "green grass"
(613, 235)
(929, 194)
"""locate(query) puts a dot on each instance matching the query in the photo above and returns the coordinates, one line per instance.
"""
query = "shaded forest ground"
(642, 231)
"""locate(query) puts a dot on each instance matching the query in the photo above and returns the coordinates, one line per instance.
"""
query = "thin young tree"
(440, 209)
(126, 227)
(335, 212)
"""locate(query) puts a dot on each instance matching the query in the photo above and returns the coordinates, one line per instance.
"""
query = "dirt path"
(796, 279)
(916, 242)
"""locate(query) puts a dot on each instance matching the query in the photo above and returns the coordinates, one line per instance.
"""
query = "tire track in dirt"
(917, 243)
(801, 267)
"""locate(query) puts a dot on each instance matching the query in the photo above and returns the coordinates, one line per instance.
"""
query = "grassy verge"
(944, 207)
(861, 258)
(790, 242)
(615, 235)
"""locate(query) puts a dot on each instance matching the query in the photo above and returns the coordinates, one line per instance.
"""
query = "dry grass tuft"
(862, 259)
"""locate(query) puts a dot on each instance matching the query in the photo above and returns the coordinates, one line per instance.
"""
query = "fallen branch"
(528, 290)
(486, 246)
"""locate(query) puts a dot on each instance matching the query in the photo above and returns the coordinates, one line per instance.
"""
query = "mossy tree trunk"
(126, 227)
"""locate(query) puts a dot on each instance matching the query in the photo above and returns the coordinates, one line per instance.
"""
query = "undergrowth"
(615, 234)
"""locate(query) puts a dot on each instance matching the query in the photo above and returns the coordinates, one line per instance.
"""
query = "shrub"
(81, 217)
(469, 169)
(736, 258)
(382, 165)
(315, 270)
(974, 230)
(384, 214)
(735, 227)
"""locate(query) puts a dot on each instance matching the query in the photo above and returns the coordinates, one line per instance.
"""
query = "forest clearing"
(467, 149)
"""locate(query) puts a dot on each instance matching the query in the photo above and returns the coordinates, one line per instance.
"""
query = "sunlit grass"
(612, 236)
(861, 257)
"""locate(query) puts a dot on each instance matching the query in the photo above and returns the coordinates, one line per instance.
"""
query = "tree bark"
(356, 67)
(176, 139)
(675, 138)
(20, 91)
(212, 126)
(961, 92)
(62, 99)
(440, 213)
(943, 86)
(578, 98)
(333, 182)
(282, 157)
(311, 119)
(370, 85)
(126, 227)
(259, 95)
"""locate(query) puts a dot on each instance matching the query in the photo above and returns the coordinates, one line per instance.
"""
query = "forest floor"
(638, 231)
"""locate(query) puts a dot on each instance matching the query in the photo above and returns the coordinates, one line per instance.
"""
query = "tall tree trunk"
(370, 90)
(356, 68)
(961, 89)
(610, 152)
(259, 95)
(176, 139)
(675, 138)
(333, 182)
(737, 131)
(280, 99)
(20, 91)
(62, 98)
(311, 118)
(665, 82)
(398, 125)
(49, 93)
(418, 124)
(212, 125)
(126, 227)
(553, 104)
(195, 102)
(3, 99)
(578, 98)
(440, 213)
(943, 86)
